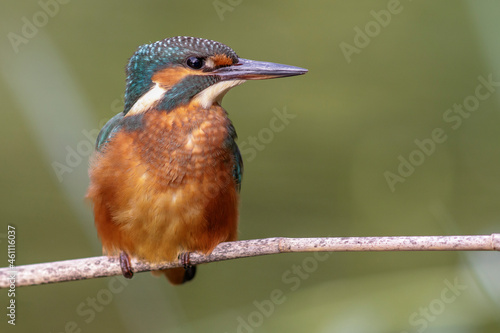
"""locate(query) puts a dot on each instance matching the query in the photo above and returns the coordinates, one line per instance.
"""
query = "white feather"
(148, 100)
(215, 92)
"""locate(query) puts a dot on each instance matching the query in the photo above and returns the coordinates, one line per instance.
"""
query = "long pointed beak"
(246, 69)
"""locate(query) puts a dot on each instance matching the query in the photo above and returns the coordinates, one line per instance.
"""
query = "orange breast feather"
(167, 188)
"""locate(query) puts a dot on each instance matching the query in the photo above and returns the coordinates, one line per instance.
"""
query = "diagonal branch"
(89, 268)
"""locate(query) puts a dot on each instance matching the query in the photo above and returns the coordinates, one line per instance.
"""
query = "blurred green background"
(357, 113)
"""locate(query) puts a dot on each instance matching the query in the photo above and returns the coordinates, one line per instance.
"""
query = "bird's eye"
(195, 63)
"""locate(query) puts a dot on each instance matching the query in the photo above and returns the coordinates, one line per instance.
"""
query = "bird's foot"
(189, 269)
(185, 260)
(125, 265)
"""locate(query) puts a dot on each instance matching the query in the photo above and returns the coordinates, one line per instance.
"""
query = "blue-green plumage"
(170, 52)
(115, 124)
(186, 89)
(111, 127)
(238, 167)
(168, 171)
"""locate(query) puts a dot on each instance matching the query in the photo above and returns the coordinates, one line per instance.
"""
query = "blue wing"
(237, 160)
(238, 167)
(107, 132)
(115, 124)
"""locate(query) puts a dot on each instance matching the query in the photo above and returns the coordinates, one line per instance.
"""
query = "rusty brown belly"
(166, 189)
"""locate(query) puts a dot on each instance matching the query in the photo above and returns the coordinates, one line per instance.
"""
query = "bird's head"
(179, 70)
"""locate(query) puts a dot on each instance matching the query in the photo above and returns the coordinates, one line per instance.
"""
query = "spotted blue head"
(180, 70)
(175, 70)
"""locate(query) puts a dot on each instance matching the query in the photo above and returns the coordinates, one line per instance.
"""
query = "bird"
(166, 173)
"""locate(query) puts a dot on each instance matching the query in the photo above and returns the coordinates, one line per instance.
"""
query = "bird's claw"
(185, 260)
(125, 265)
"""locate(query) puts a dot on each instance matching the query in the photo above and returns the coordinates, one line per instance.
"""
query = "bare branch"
(89, 268)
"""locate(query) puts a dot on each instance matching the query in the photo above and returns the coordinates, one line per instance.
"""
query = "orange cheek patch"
(222, 60)
(169, 77)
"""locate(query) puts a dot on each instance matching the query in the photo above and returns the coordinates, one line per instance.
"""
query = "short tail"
(178, 275)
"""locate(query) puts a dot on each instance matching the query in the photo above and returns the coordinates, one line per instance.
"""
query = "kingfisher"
(166, 174)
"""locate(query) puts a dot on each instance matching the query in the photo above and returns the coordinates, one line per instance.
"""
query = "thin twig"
(89, 268)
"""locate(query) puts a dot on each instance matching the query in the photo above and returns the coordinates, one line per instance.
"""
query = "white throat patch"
(214, 93)
(148, 100)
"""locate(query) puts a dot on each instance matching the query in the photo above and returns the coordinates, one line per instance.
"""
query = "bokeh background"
(355, 117)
